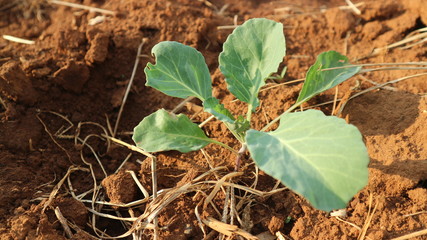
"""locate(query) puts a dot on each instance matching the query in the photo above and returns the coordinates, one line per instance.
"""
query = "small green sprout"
(319, 157)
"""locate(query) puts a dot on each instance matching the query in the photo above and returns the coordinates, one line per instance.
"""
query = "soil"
(76, 73)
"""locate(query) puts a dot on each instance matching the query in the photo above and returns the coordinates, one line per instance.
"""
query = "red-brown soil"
(79, 72)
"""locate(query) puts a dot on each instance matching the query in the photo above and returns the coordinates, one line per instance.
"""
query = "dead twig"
(18, 40)
(368, 219)
(377, 87)
(153, 173)
(412, 235)
(59, 184)
(227, 229)
(51, 136)
(135, 67)
(418, 37)
(63, 222)
(80, 6)
(353, 7)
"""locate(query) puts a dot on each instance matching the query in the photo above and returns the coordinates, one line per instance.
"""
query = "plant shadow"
(383, 112)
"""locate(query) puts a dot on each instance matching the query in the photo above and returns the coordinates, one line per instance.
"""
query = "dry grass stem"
(353, 7)
(138, 183)
(51, 137)
(206, 121)
(123, 162)
(359, 4)
(233, 211)
(377, 87)
(129, 219)
(131, 147)
(209, 161)
(345, 48)
(414, 214)
(391, 69)
(3, 104)
(58, 186)
(248, 189)
(353, 225)
(221, 11)
(280, 236)
(235, 25)
(368, 219)
(380, 64)
(199, 220)
(81, 124)
(208, 4)
(227, 229)
(419, 36)
(154, 186)
(130, 83)
(18, 40)
(63, 222)
(153, 172)
(181, 104)
(82, 155)
(227, 27)
(225, 211)
(84, 7)
(60, 133)
(218, 185)
(285, 83)
(376, 83)
(334, 105)
(122, 205)
(412, 235)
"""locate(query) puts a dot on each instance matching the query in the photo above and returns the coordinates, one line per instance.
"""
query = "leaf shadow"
(414, 170)
(383, 112)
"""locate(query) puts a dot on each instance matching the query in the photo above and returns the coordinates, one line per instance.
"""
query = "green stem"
(224, 145)
(249, 113)
(237, 136)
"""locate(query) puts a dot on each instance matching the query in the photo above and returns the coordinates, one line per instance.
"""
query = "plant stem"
(242, 151)
(249, 113)
(223, 145)
(237, 136)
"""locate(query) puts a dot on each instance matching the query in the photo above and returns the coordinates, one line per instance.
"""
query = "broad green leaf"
(320, 157)
(318, 80)
(251, 53)
(180, 71)
(212, 105)
(163, 131)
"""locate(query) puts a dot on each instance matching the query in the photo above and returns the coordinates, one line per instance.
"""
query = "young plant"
(319, 157)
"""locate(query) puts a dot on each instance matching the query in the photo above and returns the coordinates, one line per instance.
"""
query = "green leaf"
(241, 125)
(320, 157)
(163, 131)
(212, 105)
(251, 53)
(180, 71)
(317, 80)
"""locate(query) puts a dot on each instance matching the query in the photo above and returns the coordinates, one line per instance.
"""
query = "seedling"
(319, 157)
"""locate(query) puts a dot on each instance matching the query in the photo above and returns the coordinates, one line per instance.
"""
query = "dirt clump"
(15, 84)
(120, 187)
(72, 76)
